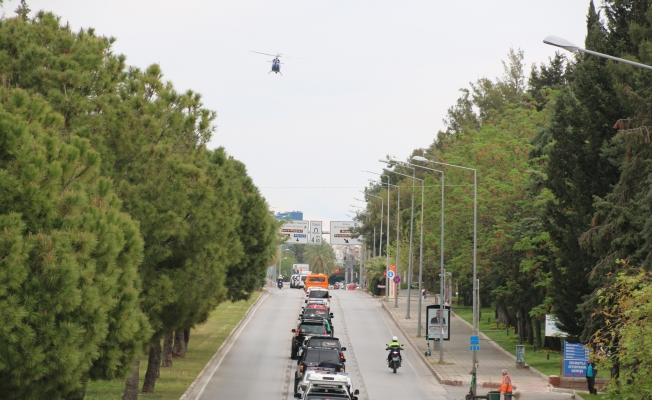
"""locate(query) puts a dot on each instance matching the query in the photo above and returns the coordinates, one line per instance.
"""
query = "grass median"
(544, 360)
(204, 341)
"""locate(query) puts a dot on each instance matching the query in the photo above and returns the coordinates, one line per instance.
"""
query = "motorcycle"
(280, 284)
(395, 362)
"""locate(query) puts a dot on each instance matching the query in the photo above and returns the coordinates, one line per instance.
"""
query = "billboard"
(438, 321)
(341, 232)
(300, 268)
(551, 327)
(296, 231)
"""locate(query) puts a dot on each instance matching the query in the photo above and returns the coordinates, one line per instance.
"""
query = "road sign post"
(341, 232)
(315, 232)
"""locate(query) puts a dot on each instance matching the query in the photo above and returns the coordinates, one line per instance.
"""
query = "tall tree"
(579, 169)
(68, 264)
(321, 258)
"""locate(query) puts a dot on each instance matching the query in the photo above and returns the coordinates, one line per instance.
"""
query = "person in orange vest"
(506, 386)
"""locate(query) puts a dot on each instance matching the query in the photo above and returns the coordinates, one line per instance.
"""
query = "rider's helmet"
(394, 339)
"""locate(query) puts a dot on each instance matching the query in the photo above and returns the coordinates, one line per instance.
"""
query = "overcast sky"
(377, 76)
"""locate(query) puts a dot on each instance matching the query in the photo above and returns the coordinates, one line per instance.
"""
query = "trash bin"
(493, 395)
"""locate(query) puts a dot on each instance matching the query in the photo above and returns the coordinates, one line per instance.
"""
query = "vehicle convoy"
(317, 358)
(305, 329)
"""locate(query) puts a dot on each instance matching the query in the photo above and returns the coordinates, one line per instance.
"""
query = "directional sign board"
(296, 231)
(576, 357)
(341, 232)
(315, 232)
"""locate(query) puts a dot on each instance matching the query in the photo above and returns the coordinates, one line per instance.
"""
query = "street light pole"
(409, 277)
(566, 45)
(441, 248)
(382, 212)
(475, 250)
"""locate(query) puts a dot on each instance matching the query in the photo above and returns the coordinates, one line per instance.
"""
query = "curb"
(499, 348)
(187, 394)
(421, 356)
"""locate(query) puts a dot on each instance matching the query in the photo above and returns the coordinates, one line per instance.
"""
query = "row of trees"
(118, 227)
(564, 217)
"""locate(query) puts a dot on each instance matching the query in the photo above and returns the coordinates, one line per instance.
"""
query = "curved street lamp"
(566, 45)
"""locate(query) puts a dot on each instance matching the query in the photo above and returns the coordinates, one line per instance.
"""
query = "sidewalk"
(492, 359)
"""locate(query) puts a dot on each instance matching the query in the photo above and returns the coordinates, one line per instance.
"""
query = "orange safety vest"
(506, 385)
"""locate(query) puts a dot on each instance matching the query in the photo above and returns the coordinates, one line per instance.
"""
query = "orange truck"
(317, 280)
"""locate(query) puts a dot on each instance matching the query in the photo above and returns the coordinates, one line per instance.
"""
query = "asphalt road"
(256, 364)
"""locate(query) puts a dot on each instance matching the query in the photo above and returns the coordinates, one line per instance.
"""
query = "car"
(319, 314)
(293, 280)
(317, 358)
(318, 294)
(312, 376)
(306, 328)
(322, 386)
(324, 342)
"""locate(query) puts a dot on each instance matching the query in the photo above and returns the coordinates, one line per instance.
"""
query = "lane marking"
(349, 349)
(232, 341)
(285, 393)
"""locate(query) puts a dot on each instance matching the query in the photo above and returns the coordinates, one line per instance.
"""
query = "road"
(258, 366)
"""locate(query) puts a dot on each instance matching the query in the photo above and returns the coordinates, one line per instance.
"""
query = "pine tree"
(68, 275)
(577, 170)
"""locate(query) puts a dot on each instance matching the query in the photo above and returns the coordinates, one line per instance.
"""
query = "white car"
(327, 385)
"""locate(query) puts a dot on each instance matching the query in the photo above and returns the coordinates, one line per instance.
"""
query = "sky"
(369, 78)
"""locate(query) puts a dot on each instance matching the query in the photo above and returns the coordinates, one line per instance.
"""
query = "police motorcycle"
(394, 357)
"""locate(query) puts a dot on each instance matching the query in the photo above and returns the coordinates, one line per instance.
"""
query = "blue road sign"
(475, 339)
(390, 274)
(575, 359)
(474, 348)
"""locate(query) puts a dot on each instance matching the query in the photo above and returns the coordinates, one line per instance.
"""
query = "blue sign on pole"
(474, 348)
(475, 339)
(575, 359)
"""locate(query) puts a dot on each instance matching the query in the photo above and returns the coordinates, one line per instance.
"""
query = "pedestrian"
(591, 373)
(506, 387)
(423, 294)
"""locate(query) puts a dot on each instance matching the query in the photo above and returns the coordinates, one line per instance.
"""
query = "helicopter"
(276, 63)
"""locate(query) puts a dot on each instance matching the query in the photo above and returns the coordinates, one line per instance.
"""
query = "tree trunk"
(521, 325)
(179, 344)
(131, 386)
(186, 338)
(537, 331)
(528, 330)
(167, 350)
(153, 367)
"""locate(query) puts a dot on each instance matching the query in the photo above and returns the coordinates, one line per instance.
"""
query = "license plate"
(394, 358)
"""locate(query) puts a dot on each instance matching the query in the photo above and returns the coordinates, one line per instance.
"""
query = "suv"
(328, 386)
(317, 358)
(319, 314)
(306, 328)
(324, 342)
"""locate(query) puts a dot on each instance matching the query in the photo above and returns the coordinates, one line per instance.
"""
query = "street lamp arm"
(398, 173)
(566, 45)
(423, 159)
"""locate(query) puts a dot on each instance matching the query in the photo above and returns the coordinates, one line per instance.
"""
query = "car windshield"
(318, 294)
(322, 356)
(315, 312)
(319, 342)
(312, 328)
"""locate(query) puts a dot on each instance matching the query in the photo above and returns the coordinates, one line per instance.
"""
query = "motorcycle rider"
(279, 281)
(396, 344)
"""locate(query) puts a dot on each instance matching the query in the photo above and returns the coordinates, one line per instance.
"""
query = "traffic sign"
(474, 348)
(341, 232)
(397, 279)
(475, 339)
(295, 231)
(315, 232)
(390, 274)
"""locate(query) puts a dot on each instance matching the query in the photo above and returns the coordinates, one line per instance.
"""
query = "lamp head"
(395, 160)
(384, 161)
(560, 42)
(419, 158)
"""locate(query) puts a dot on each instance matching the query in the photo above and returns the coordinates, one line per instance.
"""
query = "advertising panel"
(438, 321)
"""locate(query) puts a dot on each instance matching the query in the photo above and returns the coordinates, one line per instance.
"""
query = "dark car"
(315, 357)
(318, 314)
(325, 342)
(307, 328)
